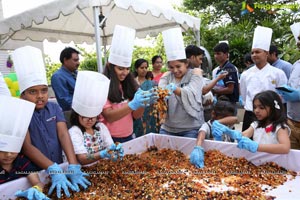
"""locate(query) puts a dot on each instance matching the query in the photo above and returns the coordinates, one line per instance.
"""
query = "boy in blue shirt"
(48, 134)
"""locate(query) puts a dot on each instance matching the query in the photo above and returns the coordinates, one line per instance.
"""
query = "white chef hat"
(122, 46)
(295, 30)
(30, 67)
(224, 41)
(90, 93)
(173, 42)
(262, 38)
(15, 115)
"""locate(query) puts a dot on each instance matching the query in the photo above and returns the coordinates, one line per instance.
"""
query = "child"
(48, 134)
(185, 110)
(223, 111)
(91, 139)
(15, 117)
(125, 102)
(270, 131)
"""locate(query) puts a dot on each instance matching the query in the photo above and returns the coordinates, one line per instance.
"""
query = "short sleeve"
(77, 140)
(205, 127)
(254, 125)
(286, 126)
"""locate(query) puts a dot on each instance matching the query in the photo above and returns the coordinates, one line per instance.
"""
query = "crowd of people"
(105, 110)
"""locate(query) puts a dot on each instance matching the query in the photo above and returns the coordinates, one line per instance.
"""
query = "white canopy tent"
(78, 21)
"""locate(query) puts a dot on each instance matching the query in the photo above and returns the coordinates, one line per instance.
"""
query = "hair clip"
(276, 105)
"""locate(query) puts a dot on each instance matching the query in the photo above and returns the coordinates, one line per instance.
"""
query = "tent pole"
(98, 38)
(198, 38)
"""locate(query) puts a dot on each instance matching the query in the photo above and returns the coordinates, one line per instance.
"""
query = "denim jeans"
(191, 134)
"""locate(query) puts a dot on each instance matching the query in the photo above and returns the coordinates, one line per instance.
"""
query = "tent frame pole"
(98, 38)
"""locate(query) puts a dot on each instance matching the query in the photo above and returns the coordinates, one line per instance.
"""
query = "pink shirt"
(122, 127)
(157, 78)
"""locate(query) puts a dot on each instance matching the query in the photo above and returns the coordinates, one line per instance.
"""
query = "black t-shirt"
(22, 166)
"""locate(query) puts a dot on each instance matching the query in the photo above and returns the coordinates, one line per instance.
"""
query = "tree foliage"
(223, 20)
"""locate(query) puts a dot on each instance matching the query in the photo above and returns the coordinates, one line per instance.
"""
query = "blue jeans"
(123, 139)
(191, 134)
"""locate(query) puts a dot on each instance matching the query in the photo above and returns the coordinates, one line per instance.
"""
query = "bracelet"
(38, 188)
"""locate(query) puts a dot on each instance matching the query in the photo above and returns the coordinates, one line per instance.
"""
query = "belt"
(295, 123)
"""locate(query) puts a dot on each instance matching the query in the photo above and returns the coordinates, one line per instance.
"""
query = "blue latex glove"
(289, 96)
(32, 194)
(215, 100)
(197, 157)
(120, 151)
(171, 87)
(154, 96)
(241, 102)
(59, 181)
(141, 99)
(217, 130)
(248, 144)
(77, 177)
(113, 156)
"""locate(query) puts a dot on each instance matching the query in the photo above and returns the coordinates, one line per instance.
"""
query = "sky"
(52, 49)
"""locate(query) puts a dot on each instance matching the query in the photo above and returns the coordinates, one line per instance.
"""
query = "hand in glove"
(248, 144)
(32, 194)
(217, 130)
(171, 88)
(241, 102)
(141, 99)
(104, 153)
(120, 151)
(154, 96)
(59, 181)
(294, 95)
(77, 177)
(197, 157)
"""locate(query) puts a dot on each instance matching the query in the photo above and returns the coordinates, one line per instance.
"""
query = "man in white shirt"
(262, 76)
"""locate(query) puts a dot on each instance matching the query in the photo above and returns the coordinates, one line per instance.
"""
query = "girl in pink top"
(125, 102)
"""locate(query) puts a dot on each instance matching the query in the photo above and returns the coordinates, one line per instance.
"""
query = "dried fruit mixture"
(168, 174)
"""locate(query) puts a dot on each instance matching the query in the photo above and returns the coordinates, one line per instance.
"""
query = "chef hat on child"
(296, 30)
(90, 93)
(30, 67)
(122, 46)
(15, 115)
(173, 42)
(262, 38)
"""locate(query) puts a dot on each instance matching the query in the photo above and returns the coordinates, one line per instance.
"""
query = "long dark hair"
(277, 114)
(154, 58)
(137, 64)
(74, 120)
(129, 85)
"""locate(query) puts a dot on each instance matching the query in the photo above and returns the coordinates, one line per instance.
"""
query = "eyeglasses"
(86, 119)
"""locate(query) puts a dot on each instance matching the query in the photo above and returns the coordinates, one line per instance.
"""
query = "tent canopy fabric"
(73, 20)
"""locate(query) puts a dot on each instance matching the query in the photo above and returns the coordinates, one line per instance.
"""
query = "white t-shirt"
(87, 143)
(262, 137)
